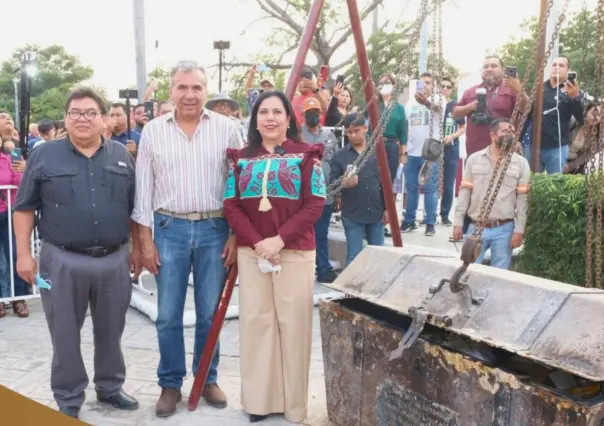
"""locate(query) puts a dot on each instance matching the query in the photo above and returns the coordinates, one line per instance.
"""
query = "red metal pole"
(307, 35)
(210, 346)
(374, 118)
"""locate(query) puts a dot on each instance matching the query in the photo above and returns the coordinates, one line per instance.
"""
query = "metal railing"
(35, 247)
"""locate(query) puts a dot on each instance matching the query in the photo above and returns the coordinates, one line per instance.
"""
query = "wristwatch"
(316, 90)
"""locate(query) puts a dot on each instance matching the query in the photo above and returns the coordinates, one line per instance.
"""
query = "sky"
(103, 35)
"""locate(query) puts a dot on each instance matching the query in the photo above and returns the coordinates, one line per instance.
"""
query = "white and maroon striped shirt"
(181, 175)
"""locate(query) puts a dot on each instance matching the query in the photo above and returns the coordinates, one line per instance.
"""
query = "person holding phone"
(562, 100)
(12, 167)
(308, 87)
(274, 194)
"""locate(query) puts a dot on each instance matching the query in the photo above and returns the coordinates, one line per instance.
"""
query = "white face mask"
(386, 89)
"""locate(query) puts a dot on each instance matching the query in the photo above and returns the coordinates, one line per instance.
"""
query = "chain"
(402, 73)
(593, 181)
(489, 200)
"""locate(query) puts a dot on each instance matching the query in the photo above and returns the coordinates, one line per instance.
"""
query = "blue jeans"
(322, 242)
(449, 171)
(498, 240)
(20, 285)
(412, 168)
(183, 245)
(550, 159)
(355, 233)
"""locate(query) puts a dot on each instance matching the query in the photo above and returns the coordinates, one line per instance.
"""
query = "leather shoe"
(257, 418)
(71, 411)
(214, 396)
(120, 400)
(166, 405)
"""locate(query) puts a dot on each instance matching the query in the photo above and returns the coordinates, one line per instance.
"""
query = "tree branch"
(249, 65)
(364, 14)
(346, 63)
(278, 13)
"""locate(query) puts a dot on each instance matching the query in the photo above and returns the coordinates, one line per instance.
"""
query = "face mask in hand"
(311, 119)
(386, 89)
(267, 267)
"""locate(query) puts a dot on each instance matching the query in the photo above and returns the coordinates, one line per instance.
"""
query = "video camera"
(481, 116)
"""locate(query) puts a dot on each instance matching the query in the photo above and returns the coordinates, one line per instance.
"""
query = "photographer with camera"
(494, 98)
(562, 100)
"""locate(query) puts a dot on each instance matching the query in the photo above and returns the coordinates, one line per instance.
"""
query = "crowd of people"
(196, 187)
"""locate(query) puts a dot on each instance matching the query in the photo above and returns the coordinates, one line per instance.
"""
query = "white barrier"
(35, 247)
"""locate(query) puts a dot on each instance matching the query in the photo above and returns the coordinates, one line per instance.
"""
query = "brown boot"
(166, 405)
(214, 396)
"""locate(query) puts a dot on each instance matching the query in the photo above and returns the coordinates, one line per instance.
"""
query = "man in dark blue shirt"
(120, 133)
(452, 130)
(362, 201)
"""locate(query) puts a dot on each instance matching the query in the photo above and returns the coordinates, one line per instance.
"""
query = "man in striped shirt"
(181, 171)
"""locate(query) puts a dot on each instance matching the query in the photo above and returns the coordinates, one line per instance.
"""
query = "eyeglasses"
(445, 86)
(88, 115)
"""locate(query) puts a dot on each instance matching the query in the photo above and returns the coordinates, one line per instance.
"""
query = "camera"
(481, 115)
(571, 76)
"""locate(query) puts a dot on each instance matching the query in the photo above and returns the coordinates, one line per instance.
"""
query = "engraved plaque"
(398, 406)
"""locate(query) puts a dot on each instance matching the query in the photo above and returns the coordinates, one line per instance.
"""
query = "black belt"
(95, 252)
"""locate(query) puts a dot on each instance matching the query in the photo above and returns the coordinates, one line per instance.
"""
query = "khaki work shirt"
(512, 198)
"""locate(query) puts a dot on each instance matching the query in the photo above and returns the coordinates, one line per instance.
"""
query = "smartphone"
(419, 87)
(340, 79)
(511, 72)
(572, 76)
(307, 75)
(324, 73)
(128, 94)
(16, 155)
(262, 68)
(351, 169)
(149, 105)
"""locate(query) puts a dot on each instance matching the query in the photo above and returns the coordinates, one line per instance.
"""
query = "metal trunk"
(524, 353)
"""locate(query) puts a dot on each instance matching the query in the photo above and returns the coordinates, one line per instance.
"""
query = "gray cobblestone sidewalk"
(26, 353)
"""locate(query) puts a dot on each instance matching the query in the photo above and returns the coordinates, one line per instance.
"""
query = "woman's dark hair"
(347, 89)
(390, 78)
(254, 138)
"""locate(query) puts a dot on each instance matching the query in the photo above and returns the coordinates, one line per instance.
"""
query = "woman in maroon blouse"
(274, 195)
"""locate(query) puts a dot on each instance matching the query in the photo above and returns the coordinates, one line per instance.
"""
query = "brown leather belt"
(493, 223)
(192, 216)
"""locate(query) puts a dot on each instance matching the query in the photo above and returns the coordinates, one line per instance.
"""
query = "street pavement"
(26, 353)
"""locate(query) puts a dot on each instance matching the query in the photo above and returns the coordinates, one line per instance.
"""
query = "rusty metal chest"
(513, 351)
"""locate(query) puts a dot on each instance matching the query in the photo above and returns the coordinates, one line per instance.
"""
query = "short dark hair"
(565, 57)
(495, 57)
(389, 77)
(86, 92)
(46, 126)
(426, 74)
(354, 119)
(137, 106)
(119, 105)
(495, 124)
(449, 79)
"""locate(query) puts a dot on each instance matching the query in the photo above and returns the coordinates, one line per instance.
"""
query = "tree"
(57, 73)
(333, 31)
(163, 83)
(385, 50)
(577, 41)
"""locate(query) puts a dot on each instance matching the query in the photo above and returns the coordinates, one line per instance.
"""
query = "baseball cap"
(311, 103)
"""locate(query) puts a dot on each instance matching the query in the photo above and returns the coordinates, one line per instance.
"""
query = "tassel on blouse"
(265, 204)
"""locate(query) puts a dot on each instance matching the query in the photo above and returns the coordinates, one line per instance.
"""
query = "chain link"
(504, 160)
(594, 181)
(402, 77)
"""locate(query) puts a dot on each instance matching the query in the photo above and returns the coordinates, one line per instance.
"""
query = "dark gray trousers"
(77, 281)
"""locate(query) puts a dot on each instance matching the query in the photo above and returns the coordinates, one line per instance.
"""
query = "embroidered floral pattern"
(284, 177)
(318, 187)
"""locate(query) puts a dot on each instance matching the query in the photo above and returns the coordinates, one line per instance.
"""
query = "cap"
(311, 103)
(267, 82)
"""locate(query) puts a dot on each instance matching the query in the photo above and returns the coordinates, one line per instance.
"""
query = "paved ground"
(26, 351)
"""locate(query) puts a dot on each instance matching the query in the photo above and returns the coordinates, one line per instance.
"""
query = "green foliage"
(577, 40)
(163, 83)
(554, 246)
(57, 73)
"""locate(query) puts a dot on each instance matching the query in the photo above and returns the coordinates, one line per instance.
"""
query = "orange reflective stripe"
(467, 184)
(522, 189)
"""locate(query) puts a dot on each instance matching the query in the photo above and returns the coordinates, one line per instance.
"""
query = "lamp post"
(16, 86)
(221, 46)
(28, 69)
